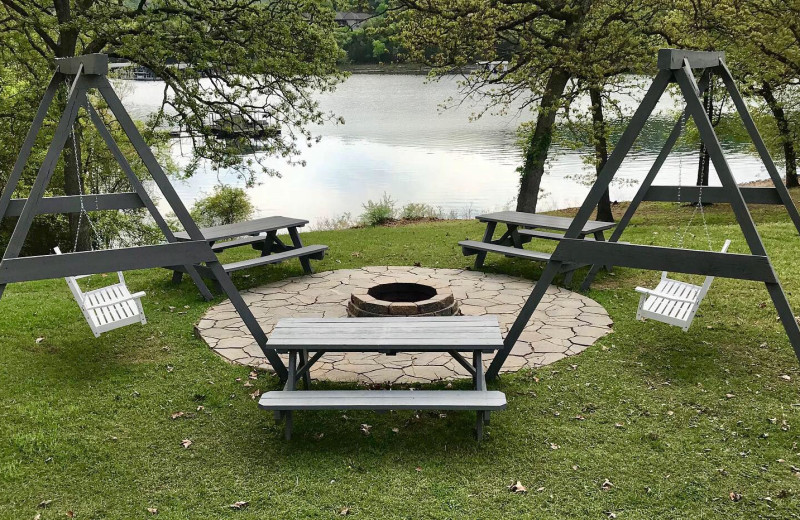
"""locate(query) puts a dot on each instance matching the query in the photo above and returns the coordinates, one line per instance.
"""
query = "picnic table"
(262, 235)
(299, 337)
(521, 228)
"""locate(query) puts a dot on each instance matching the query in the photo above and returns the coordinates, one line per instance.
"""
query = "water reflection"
(398, 140)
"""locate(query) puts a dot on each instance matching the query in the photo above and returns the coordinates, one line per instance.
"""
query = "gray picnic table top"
(388, 334)
(248, 227)
(535, 220)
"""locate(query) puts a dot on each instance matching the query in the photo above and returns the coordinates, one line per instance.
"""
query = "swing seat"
(107, 308)
(672, 301)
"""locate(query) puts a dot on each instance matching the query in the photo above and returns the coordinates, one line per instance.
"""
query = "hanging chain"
(704, 161)
(80, 195)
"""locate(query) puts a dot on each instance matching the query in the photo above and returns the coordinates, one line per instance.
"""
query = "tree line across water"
(244, 59)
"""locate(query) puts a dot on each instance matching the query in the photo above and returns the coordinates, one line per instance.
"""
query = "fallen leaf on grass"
(517, 488)
(785, 377)
(170, 368)
(729, 396)
(44, 503)
(152, 510)
(186, 443)
(37, 516)
(177, 415)
(611, 514)
(239, 505)
(554, 446)
(70, 514)
(418, 469)
(255, 394)
(319, 436)
(606, 485)
(735, 496)
(253, 375)
(39, 340)
(344, 511)
(395, 430)
(365, 429)
(201, 408)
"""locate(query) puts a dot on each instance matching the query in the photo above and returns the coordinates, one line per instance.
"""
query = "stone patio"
(565, 324)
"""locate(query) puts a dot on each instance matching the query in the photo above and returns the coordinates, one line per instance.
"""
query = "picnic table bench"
(299, 337)
(262, 235)
(521, 228)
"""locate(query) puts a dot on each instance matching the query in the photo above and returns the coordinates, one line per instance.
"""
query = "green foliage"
(378, 49)
(419, 211)
(380, 212)
(226, 205)
(266, 57)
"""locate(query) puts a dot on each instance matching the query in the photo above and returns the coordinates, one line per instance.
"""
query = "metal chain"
(80, 196)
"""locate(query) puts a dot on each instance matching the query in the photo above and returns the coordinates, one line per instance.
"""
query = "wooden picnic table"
(521, 228)
(299, 337)
(262, 235)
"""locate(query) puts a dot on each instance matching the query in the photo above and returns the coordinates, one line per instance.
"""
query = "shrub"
(419, 211)
(380, 212)
(225, 206)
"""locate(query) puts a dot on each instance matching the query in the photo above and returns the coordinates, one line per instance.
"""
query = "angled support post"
(740, 210)
(161, 180)
(139, 189)
(677, 130)
(755, 136)
(45, 173)
(629, 136)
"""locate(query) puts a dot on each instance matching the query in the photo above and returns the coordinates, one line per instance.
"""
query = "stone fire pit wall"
(402, 299)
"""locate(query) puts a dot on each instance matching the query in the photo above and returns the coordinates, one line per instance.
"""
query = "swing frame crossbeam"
(675, 66)
(85, 73)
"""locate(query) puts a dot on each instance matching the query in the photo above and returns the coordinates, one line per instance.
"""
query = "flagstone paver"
(565, 323)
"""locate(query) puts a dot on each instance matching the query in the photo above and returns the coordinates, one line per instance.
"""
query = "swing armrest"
(650, 292)
(134, 296)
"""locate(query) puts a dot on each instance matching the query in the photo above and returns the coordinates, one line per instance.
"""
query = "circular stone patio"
(565, 324)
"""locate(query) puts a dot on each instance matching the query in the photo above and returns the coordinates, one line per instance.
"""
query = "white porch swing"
(110, 307)
(675, 302)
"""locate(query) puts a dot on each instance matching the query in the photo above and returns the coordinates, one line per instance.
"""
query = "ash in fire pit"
(402, 299)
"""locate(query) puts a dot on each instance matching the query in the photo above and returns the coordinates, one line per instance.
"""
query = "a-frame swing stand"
(676, 66)
(84, 73)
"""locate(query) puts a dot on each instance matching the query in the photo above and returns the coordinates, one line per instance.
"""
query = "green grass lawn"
(675, 421)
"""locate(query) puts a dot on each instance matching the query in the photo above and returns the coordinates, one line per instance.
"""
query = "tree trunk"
(785, 132)
(78, 226)
(600, 150)
(67, 47)
(704, 161)
(539, 144)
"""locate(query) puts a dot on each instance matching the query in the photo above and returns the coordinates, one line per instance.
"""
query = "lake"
(397, 139)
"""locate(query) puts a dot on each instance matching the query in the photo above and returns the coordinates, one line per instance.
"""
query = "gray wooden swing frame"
(675, 66)
(85, 73)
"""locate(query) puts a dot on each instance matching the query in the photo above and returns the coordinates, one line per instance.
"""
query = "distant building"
(351, 19)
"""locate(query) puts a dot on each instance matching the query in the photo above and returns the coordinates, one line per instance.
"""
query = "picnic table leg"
(568, 277)
(487, 238)
(480, 386)
(304, 261)
(600, 237)
(516, 241)
(306, 374)
(290, 386)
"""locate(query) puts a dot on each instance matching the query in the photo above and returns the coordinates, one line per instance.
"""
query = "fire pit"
(402, 299)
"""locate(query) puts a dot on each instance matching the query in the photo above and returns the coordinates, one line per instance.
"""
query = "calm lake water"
(398, 140)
